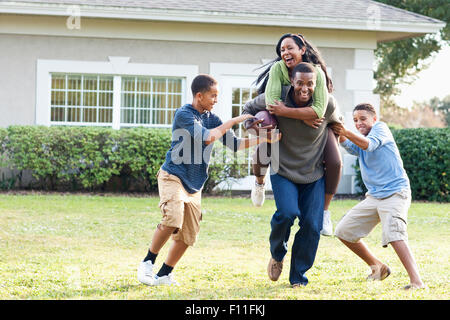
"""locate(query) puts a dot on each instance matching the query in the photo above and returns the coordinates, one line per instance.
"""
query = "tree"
(400, 61)
(442, 106)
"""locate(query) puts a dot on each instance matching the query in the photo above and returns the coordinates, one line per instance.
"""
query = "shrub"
(425, 153)
(94, 158)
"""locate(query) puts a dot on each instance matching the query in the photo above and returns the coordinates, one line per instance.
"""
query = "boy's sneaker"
(327, 227)
(258, 194)
(165, 280)
(145, 273)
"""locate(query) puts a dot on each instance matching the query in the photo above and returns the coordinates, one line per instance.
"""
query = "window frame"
(117, 67)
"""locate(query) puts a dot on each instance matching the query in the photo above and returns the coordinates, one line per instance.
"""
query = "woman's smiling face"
(291, 52)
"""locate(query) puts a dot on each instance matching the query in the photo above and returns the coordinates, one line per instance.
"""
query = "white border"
(116, 66)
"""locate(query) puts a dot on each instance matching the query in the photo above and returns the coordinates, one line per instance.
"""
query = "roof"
(335, 14)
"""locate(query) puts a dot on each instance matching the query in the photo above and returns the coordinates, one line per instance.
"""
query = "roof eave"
(409, 29)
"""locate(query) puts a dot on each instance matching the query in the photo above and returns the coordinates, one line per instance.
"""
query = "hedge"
(426, 158)
(92, 158)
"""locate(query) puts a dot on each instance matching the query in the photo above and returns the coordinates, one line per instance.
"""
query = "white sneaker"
(258, 194)
(145, 273)
(327, 227)
(165, 280)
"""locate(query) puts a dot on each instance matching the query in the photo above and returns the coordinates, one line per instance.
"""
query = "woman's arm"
(320, 95)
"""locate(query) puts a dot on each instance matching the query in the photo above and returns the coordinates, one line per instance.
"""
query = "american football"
(267, 118)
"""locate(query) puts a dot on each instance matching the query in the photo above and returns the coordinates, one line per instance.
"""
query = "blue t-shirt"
(188, 156)
(381, 165)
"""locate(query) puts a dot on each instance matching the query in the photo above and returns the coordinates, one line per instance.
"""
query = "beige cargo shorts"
(180, 209)
(362, 218)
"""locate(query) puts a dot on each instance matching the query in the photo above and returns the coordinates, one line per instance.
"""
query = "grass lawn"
(88, 247)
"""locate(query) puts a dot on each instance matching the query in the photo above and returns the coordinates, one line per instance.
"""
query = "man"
(298, 183)
(388, 197)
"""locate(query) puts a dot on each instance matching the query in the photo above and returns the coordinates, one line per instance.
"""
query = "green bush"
(92, 158)
(426, 159)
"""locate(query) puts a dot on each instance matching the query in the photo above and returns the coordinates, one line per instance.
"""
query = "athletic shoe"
(298, 285)
(145, 273)
(165, 280)
(258, 194)
(274, 269)
(379, 272)
(327, 227)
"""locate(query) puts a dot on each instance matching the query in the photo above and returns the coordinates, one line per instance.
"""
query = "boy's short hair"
(202, 83)
(304, 67)
(367, 107)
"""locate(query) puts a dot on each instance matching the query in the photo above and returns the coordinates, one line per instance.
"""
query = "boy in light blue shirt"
(387, 200)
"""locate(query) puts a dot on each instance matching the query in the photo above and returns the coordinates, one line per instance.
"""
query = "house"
(125, 63)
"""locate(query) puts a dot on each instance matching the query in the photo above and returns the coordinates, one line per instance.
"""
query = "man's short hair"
(367, 107)
(202, 83)
(304, 67)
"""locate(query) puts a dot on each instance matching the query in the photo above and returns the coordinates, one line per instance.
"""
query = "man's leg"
(304, 248)
(286, 199)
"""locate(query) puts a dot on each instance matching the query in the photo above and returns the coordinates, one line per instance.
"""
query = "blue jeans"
(303, 201)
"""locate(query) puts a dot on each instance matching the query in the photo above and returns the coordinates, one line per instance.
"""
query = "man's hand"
(278, 108)
(314, 123)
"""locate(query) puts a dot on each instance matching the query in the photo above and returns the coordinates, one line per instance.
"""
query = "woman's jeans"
(305, 202)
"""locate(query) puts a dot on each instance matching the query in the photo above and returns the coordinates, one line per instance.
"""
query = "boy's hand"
(314, 123)
(252, 126)
(271, 136)
(339, 129)
(242, 117)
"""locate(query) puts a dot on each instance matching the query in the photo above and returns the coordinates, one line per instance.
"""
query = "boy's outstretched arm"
(271, 137)
(218, 132)
(344, 134)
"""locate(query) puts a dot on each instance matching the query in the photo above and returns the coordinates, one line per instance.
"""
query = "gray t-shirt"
(300, 156)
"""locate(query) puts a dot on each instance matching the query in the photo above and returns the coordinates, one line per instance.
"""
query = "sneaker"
(327, 227)
(165, 280)
(258, 194)
(274, 269)
(298, 285)
(379, 272)
(145, 273)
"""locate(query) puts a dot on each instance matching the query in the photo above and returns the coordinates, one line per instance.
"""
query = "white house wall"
(26, 39)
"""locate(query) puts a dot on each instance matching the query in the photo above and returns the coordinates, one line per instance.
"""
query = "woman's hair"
(311, 55)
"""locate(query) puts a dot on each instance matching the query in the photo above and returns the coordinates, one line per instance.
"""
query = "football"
(268, 119)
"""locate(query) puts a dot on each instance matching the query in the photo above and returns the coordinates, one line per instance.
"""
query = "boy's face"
(304, 84)
(208, 99)
(364, 121)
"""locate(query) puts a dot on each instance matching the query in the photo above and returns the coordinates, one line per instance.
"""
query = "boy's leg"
(404, 253)
(357, 224)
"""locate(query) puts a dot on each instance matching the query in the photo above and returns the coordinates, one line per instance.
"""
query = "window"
(77, 99)
(113, 93)
(150, 100)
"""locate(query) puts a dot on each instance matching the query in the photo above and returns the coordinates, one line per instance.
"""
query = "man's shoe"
(145, 273)
(379, 272)
(258, 194)
(298, 285)
(274, 269)
(327, 227)
(165, 280)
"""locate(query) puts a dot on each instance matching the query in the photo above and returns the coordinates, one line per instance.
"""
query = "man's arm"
(280, 109)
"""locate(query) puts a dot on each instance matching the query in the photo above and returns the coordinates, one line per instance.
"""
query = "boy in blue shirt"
(388, 197)
(183, 174)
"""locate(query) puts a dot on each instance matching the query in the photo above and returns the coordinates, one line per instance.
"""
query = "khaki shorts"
(362, 218)
(180, 209)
